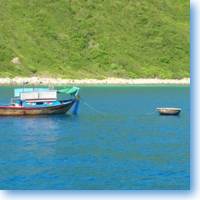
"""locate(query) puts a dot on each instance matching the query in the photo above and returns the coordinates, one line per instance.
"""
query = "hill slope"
(95, 38)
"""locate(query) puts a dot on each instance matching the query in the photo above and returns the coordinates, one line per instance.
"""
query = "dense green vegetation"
(95, 38)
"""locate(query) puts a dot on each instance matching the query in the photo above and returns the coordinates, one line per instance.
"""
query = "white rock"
(16, 61)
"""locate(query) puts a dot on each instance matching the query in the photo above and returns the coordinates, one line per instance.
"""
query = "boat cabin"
(35, 97)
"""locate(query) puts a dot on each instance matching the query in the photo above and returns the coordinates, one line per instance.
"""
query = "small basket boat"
(169, 111)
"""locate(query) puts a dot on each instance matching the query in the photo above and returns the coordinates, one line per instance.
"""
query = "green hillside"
(95, 38)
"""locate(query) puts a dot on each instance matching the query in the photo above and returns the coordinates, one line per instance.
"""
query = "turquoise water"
(117, 142)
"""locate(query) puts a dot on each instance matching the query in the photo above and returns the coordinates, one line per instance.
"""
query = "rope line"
(150, 113)
(91, 107)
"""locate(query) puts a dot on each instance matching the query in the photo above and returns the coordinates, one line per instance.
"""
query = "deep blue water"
(125, 145)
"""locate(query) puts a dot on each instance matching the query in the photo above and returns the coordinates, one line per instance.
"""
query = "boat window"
(39, 103)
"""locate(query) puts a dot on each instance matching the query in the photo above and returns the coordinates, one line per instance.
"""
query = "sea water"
(117, 141)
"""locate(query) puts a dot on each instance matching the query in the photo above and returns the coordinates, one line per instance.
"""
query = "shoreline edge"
(107, 81)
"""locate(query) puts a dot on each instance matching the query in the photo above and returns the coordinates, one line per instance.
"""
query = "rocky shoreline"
(108, 81)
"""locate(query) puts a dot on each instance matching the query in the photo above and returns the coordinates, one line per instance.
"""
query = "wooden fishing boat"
(169, 111)
(40, 101)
